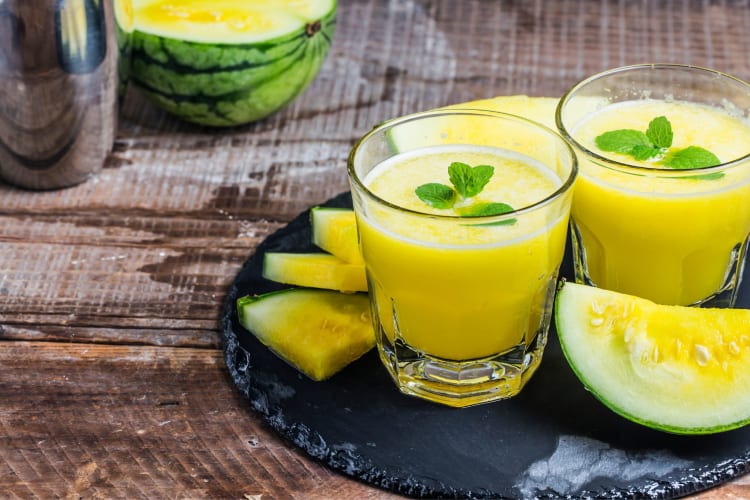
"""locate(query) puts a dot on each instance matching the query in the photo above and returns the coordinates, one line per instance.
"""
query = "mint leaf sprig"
(467, 182)
(656, 142)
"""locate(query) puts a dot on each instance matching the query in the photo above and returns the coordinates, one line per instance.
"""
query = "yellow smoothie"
(450, 287)
(669, 240)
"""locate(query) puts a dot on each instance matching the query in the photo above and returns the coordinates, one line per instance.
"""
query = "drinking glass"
(461, 305)
(672, 234)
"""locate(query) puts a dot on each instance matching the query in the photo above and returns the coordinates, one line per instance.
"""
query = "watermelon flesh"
(684, 370)
(319, 332)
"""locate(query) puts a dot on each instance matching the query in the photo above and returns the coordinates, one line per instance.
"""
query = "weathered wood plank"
(150, 287)
(125, 331)
(96, 227)
(141, 422)
(208, 183)
(120, 279)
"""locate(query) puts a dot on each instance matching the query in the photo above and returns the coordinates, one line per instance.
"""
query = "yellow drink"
(674, 240)
(461, 303)
(453, 289)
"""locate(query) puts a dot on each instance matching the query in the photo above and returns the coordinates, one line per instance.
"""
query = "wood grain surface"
(112, 383)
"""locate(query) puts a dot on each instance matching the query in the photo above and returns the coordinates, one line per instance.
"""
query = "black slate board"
(553, 440)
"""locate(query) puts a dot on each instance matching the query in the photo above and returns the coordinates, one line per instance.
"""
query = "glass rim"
(638, 169)
(559, 191)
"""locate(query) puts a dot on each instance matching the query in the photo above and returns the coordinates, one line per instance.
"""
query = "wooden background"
(112, 382)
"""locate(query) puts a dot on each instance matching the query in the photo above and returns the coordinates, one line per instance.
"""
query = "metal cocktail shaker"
(63, 67)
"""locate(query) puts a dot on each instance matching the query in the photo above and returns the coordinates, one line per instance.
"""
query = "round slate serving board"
(553, 440)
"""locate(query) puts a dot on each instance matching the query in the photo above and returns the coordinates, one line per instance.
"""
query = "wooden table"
(112, 381)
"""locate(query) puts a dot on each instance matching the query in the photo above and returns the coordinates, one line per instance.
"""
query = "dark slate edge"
(239, 365)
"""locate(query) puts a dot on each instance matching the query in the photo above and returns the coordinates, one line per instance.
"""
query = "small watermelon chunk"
(316, 270)
(683, 370)
(335, 231)
(319, 332)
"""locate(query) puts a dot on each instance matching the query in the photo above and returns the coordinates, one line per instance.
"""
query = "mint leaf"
(690, 157)
(656, 141)
(436, 195)
(507, 222)
(485, 209)
(469, 181)
(482, 175)
(708, 177)
(461, 176)
(622, 141)
(641, 152)
(660, 132)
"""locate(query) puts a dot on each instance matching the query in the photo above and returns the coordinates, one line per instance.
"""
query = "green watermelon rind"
(228, 84)
(566, 296)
